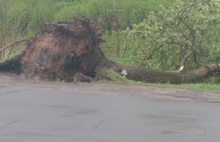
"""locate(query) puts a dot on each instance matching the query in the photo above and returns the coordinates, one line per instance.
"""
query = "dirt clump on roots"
(66, 50)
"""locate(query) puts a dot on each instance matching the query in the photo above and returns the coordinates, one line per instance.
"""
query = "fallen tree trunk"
(175, 77)
(200, 73)
(70, 51)
(152, 75)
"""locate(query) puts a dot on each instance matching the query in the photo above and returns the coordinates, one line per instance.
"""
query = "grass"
(206, 87)
(116, 78)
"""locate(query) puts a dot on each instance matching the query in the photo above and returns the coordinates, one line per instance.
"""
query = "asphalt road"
(38, 114)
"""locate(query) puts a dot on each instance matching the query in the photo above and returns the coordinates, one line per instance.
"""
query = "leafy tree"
(184, 35)
(134, 11)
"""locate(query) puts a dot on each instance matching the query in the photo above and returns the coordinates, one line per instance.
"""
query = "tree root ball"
(63, 50)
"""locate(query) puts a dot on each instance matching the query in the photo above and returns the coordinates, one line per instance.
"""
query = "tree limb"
(183, 61)
(193, 48)
(23, 40)
(154, 50)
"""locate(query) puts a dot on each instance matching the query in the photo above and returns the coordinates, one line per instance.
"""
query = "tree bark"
(152, 75)
(175, 77)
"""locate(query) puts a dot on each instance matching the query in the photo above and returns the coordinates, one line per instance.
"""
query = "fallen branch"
(23, 40)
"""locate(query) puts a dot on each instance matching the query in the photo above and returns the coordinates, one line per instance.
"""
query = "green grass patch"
(116, 78)
(206, 87)
(201, 87)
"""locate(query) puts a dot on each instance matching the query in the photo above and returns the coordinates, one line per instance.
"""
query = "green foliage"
(187, 33)
(134, 11)
(65, 11)
(27, 16)
(18, 18)
(110, 50)
(42, 12)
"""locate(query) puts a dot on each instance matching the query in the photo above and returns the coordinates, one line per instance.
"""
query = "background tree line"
(22, 18)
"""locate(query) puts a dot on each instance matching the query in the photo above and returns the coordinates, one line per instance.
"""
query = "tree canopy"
(184, 35)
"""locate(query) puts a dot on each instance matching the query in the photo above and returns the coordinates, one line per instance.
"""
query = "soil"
(174, 94)
(64, 50)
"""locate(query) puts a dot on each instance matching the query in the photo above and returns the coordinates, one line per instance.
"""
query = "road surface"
(106, 113)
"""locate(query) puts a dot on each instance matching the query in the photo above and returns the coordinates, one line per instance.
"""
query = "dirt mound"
(64, 50)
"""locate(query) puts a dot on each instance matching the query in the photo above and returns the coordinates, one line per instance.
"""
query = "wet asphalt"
(32, 114)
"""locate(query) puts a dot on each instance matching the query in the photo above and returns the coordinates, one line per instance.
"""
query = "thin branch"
(154, 50)
(23, 40)
(185, 36)
(174, 43)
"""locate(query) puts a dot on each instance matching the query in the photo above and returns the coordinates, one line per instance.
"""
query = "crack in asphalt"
(14, 91)
(100, 123)
(9, 124)
(214, 102)
(9, 92)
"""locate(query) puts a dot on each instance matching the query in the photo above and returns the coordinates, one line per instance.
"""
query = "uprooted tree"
(70, 51)
(65, 50)
(182, 38)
